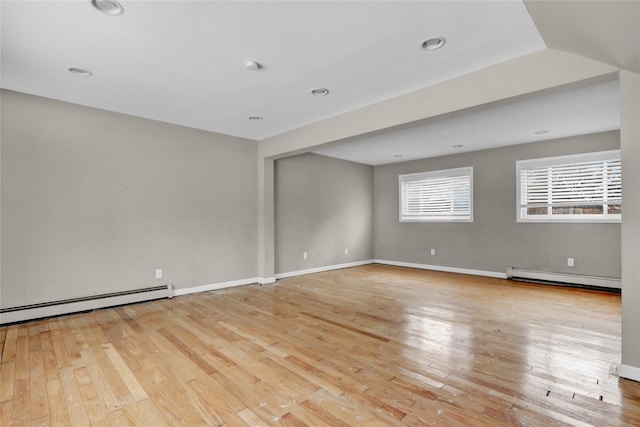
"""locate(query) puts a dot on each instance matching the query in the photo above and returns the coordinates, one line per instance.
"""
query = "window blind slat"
(436, 195)
(580, 186)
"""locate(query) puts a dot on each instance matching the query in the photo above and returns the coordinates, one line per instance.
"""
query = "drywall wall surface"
(322, 206)
(94, 202)
(266, 221)
(630, 149)
(495, 240)
(544, 71)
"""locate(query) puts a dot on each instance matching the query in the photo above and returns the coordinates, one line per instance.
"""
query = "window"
(584, 187)
(443, 195)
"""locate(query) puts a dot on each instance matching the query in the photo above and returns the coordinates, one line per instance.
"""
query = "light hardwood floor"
(372, 345)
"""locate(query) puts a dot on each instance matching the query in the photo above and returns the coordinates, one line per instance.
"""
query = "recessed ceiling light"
(252, 65)
(255, 118)
(457, 146)
(433, 43)
(80, 72)
(108, 7)
(320, 91)
(541, 132)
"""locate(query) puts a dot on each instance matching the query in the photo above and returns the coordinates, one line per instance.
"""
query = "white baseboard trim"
(266, 280)
(629, 372)
(496, 274)
(321, 269)
(216, 286)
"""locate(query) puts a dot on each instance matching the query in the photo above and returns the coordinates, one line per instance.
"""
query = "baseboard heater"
(72, 305)
(566, 279)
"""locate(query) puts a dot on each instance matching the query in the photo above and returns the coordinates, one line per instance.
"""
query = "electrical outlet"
(158, 273)
(346, 251)
(570, 262)
(433, 251)
(304, 255)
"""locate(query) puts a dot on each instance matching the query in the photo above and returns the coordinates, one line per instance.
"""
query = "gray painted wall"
(630, 148)
(94, 201)
(495, 240)
(322, 206)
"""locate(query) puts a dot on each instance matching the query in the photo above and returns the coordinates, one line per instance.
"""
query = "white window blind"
(584, 187)
(444, 195)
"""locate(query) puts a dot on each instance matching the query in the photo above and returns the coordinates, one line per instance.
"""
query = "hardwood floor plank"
(21, 403)
(73, 398)
(6, 412)
(251, 419)
(34, 337)
(105, 379)
(71, 353)
(323, 414)
(263, 399)
(167, 409)
(37, 384)
(134, 351)
(50, 365)
(130, 321)
(188, 352)
(207, 384)
(110, 327)
(87, 389)
(46, 341)
(22, 358)
(366, 346)
(96, 412)
(130, 380)
(60, 351)
(347, 327)
(7, 380)
(41, 422)
(224, 405)
(291, 420)
(183, 368)
(207, 412)
(175, 393)
(295, 370)
(252, 337)
(147, 412)
(10, 343)
(156, 370)
(3, 336)
(57, 404)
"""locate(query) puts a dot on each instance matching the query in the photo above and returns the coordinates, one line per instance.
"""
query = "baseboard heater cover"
(92, 302)
(595, 282)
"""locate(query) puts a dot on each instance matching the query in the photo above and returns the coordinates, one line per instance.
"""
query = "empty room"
(322, 213)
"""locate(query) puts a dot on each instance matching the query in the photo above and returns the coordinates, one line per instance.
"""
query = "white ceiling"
(183, 61)
(573, 112)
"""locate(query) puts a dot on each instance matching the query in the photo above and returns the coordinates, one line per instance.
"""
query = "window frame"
(463, 171)
(550, 162)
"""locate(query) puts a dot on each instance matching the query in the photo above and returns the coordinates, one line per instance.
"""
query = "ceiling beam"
(538, 73)
(606, 31)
